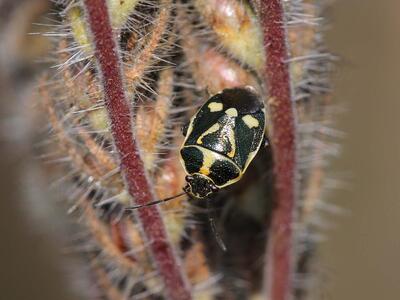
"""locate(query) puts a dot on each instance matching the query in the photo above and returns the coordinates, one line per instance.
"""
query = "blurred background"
(360, 257)
(362, 254)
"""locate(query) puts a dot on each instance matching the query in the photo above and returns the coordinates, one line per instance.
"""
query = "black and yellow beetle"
(221, 140)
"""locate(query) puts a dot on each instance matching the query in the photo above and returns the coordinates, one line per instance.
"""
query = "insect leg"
(211, 219)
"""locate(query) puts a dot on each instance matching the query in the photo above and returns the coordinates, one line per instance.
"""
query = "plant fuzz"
(125, 77)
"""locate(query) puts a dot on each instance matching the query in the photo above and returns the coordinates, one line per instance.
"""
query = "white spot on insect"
(210, 130)
(250, 121)
(215, 106)
(232, 112)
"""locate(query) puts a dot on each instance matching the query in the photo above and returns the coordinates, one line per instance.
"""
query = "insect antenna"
(211, 219)
(155, 202)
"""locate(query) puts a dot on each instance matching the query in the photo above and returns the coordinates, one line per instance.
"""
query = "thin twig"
(279, 257)
(137, 182)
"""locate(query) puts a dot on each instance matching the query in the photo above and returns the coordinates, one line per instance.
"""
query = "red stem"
(279, 260)
(136, 181)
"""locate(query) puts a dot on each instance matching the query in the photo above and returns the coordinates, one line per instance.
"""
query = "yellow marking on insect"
(232, 141)
(210, 130)
(215, 106)
(209, 157)
(232, 112)
(250, 121)
(204, 171)
(208, 160)
(190, 129)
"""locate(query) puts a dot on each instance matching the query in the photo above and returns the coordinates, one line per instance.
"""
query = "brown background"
(361, 258)
(362, 254)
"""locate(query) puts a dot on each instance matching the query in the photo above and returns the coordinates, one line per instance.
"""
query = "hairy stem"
(136, 180)
(279, 257)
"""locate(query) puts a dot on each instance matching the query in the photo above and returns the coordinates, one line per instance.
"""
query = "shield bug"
(221, 140)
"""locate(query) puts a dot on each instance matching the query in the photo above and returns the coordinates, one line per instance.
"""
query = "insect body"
(221, 140)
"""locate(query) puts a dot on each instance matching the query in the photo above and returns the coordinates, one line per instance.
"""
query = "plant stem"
(136, 180)
(279, 257)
